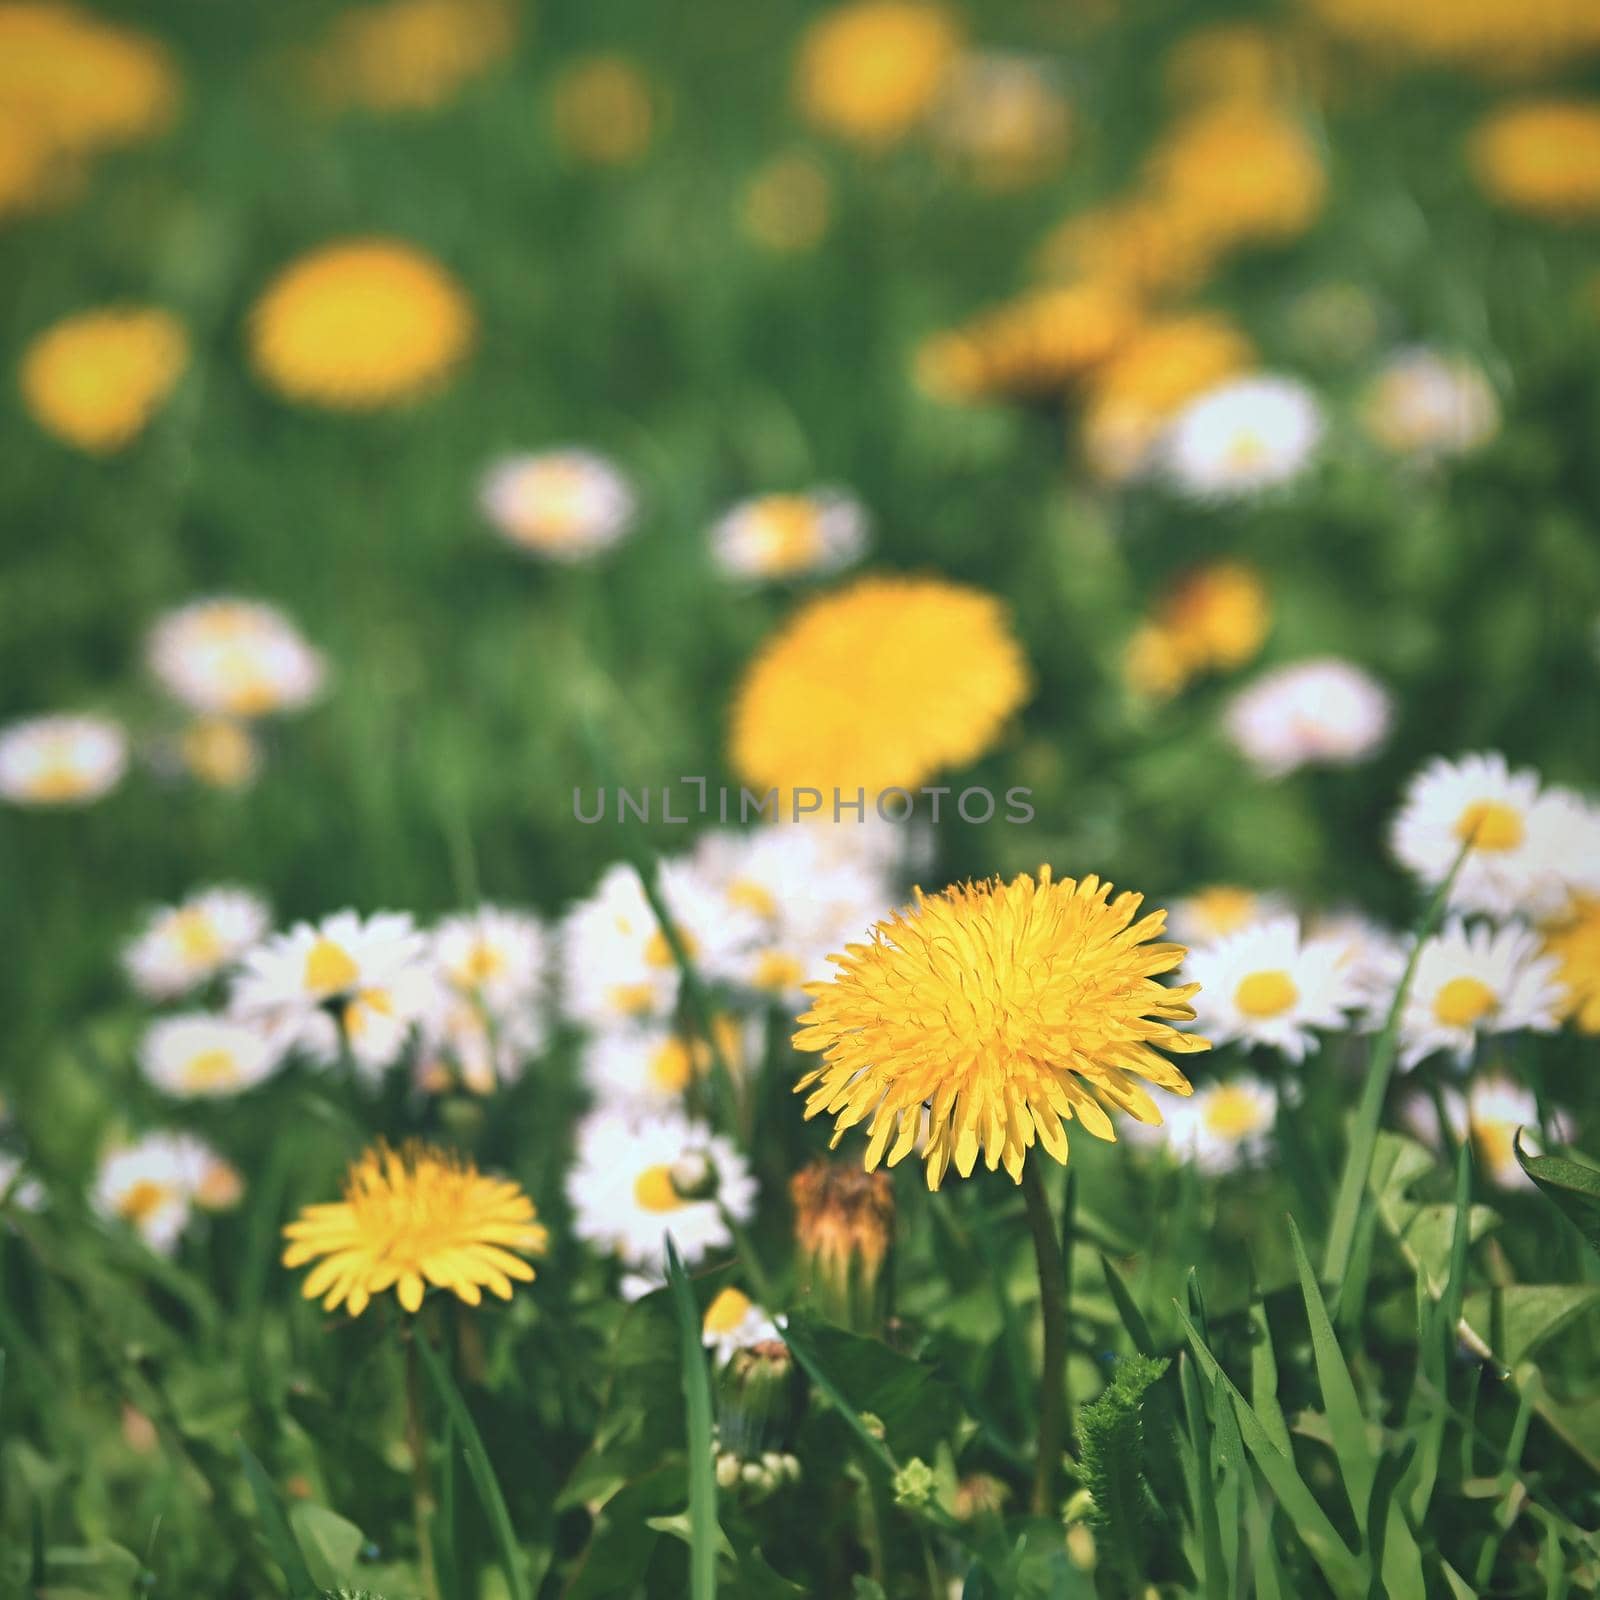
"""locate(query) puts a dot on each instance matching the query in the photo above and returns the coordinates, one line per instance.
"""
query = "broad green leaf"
(1570, 1185)
(275, 1525)
(331, 1544)
(1516, 1319)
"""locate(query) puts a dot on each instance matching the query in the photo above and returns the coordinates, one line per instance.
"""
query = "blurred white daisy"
(564, 504)
(1527, 847)
(1427, 404)
(1493, 1109)
(1268, 986)
(1473, 981)
(616, 962)
(649, 1067)
(463, 1042)
(182, 946)
(1374, 956)
(199, 1055)
(154, 1183)
(67, 760)
(635, 1180)
(1221, 909)
(791, 535)
(1242, 437)
(1221, 1126)
(16, 1187)
(733, 1322)
(230, 657)
(1323, 712)
(492, 955)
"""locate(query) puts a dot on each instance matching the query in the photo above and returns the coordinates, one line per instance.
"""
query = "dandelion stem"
(422, 1502)
(1053, 1310)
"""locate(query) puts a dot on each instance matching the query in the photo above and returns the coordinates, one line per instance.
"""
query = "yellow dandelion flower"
(33, 172)
(359, 325)
(411, 55)
(1487, 36)
(1214, 619)
(872, 70)
(1239, 174)
(83, 83)
(1575, 940)
(1001, 1010)
(603, 111)
(1226, 61)
(1542, 157)
(1037, 344)
(1142, 245)
(787, 205)
(95, 379)
(883, 683)
(410, 1218)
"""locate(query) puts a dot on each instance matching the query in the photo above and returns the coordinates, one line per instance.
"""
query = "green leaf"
(704, 1534)
(1572, 1187)
(1516, 1319)
(331, 1545)
(1138, 1329)
(275, 1525)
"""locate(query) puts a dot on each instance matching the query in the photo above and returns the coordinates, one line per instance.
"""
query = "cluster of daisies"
(1518, 950)
(227, 663)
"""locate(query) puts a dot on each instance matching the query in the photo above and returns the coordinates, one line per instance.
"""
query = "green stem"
(422, 1502)
(1053, 1311)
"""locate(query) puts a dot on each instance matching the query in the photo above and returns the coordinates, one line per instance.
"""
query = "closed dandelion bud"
(756, 1394)
(1081, 1547)
(980, 1495)
(694, 1177)
(844, 1225)
(914, 1483)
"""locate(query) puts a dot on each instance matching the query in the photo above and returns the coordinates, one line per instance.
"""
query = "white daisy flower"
(1472, 981)
(67, 760)
(648, 1068)
(1268, 986)
(16, 1187)
(1242, 437)
(1426, 404)
(1220, 1127)
(1493, 1109)
(154, 1183)
(1527, 847)
(791, 535)
(1322, 712)
(636, 1180)
(492, 955)
(199, 1055)
(1221, 909)
(462, 1041)
(616, 962)
(734, 1322)
(230, 657)
(369, 972)
(1375, 956)
(566, 504)
(182, 946)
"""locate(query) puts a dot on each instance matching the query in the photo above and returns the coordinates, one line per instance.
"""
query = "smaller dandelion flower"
(616, 962)
(68, 760)
(1242, 438)
(1003, 1009)
(1429, 405)
(1219, 910)
(843, 1229)
(603, 111)
(1002, 120)
(566, 505)
(1573, 939)
(1472, 981)
(198, 1055)
(871, 70)
(1324, 712)
(1213, 619)
(1269, 986)
(230, 657)
(1222, 1127)
(412, 1218)
(1142, 244)
(635, 1181)
(1524, 844)
(788, 204)
(220, 752)
(154, 1184)
(358, 325)
(790, 535)
(180, 947)
(1542, 158)
(1228, 63)
(733, 1322)
(96, 379)
(650, 1068)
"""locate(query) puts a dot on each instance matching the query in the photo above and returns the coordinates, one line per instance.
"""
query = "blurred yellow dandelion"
(1575, 939)
(787, 204)
(360, 324)
(883, 683)
(96, 378)
(1001, 1010)
(1214, 619)
(603, 111)
(411, 55)
(411, 1218)
(1142, 245)
(872, 70)
(1542, 157)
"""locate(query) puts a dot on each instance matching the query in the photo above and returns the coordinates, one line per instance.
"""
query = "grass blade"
(275, 1526)
(703, 1531)
(1138, 1329)
(479, 1469)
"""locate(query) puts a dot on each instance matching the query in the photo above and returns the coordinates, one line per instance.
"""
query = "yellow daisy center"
(1264, 995)
(671, 1066)
(748, 895)
(632, 999)
(726, 1312)
(658, 953)
(1464, 1002)
(142, 1200)
(1224, 909)
(1232, 1113)
(329, 968)
(654, 1189)
(788, 533)
(778, 970)
(210, 1069)
(362, 1009)
(481, 963)
(1490, 825)
(196, 936)
(1494, 1141)
(1245, 452)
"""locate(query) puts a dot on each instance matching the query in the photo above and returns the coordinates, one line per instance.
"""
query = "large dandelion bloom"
(410, 1218)
(360, 324)
(96, 379)
(884, 683)
(872, 70)
(1001, 1010)
(1542, 158)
